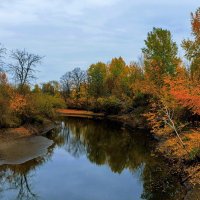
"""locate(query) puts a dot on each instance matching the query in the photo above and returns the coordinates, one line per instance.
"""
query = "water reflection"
(19, 178)
(103, 143)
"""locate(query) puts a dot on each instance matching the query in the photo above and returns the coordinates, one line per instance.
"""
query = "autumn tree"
(163, 116)
(97, 77)
(160, 54)
(185, 91)
(23, 67)
(192, 47)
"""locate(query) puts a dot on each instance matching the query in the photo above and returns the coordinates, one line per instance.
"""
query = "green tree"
(192, 47)
(160, 54)
(97, 77)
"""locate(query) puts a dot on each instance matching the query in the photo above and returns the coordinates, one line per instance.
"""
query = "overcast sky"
(77, 33)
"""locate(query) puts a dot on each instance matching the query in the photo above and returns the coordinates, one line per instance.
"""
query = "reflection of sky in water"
(70, 178)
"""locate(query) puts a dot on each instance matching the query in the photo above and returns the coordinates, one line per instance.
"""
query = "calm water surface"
(91, 160)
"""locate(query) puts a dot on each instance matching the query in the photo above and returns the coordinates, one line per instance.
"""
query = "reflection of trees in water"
(104, 144)
(19, 177)
(159, 183)
(17, 180)
(25, 190)
(72, 143)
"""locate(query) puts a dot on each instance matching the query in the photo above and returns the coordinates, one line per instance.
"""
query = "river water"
(90, 160)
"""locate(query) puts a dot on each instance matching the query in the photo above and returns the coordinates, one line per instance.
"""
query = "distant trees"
(160, 54)
(23, 68)
(103, 86)
(192, 47)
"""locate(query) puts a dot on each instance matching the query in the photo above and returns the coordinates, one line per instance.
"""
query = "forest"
(161, 89)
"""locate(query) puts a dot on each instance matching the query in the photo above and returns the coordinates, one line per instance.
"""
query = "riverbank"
(181, 160)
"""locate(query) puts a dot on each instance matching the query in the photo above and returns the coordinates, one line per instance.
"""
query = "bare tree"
(24, 67)
(66, 85)
(78, 78)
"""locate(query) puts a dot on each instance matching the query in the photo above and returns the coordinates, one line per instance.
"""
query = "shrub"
(80, 104)
(44, 105)
(110, 105)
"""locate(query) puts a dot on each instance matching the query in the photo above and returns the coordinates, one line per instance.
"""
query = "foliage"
(45, 105)
(97, 77)
(110, 105)
(17, 108)
(186, 92)
(160, 54)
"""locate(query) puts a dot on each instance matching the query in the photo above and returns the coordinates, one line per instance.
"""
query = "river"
(90, 160)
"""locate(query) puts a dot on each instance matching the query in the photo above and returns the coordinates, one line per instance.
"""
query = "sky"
(77, 33)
